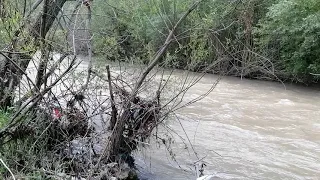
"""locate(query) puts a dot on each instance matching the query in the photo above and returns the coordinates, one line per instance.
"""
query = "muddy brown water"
(244, 129)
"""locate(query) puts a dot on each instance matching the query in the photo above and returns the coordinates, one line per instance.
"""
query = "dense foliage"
(256, 39)
(289, 34)
(266, 39)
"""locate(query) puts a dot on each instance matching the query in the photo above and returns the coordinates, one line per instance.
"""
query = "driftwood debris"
(131, 121)
(117, 138)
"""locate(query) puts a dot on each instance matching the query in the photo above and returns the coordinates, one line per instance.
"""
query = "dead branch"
(315, 74)
(45, 78)
(114, 112)
(39, 29)
(36, 98)
(117, 135)
(4, 164)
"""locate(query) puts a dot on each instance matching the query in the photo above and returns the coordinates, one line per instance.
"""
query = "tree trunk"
(247, 18)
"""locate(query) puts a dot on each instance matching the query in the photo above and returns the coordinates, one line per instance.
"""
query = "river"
(244, 129)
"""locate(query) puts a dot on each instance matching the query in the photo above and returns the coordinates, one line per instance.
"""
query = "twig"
(113, 107)
(34, 7)
(4, 164)
(89, 46)
(45, 78)
(19, 68)
(314, 74)
(116, 136)
(74, 27)
(193, 149)
(163, 49)
(35, 100)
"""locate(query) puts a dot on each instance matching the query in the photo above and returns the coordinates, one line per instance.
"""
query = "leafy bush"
(221, 32)
(290, 33)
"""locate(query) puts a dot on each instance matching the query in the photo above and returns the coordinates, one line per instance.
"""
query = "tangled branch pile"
(65, 117)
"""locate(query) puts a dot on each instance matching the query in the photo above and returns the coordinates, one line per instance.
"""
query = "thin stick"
(45, 78)
(162, 50)
(89, 46)
(113, 107)
(116, 136)
(4, 164)
(315, 74)
(35, 100)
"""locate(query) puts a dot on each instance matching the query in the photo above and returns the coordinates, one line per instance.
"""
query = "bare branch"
(4, 164)
(113, 107)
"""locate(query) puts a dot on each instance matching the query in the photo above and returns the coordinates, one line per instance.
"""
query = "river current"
(244, 129)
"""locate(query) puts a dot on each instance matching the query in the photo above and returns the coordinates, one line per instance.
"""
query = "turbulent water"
(244, 129)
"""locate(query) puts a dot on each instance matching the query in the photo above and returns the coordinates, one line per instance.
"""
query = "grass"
(18, 154)
(4, 118)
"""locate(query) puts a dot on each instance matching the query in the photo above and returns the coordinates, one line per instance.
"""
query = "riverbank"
(101, 61)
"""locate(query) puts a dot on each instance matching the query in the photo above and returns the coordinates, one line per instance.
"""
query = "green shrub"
(290, 34)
